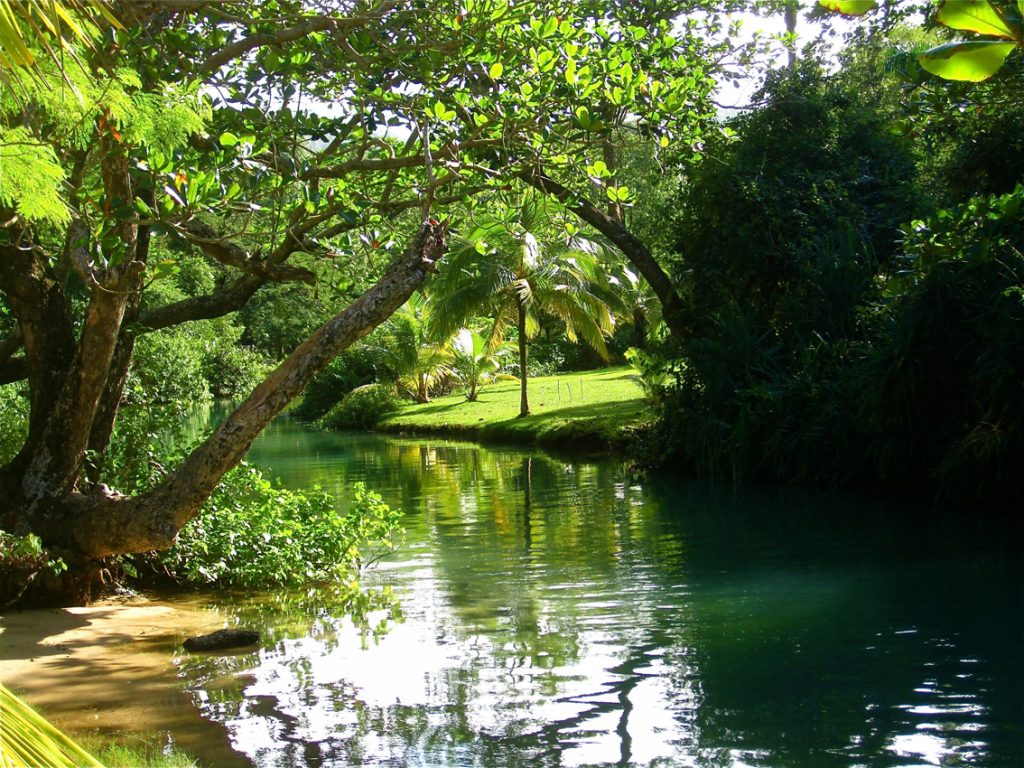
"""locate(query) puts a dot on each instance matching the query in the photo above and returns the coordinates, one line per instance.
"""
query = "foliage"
(253, 533)
(13, 420)
(32, 177)
(945, 374)
(355, 367)
(972, 60)
(790, 220)
(22, 559)
(27, 739)
(415, 363)
(167, 367)
(473, 363)
(362, 408)
(923, 394)
(654, 372)
(278, 319)
(137, 753)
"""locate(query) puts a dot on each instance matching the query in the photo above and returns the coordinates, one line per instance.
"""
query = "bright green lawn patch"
(595, 410)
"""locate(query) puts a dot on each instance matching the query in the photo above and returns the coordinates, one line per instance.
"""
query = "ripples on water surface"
(560, 614)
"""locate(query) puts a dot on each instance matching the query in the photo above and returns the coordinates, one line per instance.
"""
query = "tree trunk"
(524, 402)
(97, 524)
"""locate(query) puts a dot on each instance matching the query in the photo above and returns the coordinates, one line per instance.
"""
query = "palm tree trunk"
(524, 402)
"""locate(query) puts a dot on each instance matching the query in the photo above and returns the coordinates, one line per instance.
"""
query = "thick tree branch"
(229, 298)
(233, 255)
(625, 241)
(290, 34)
(101, 525)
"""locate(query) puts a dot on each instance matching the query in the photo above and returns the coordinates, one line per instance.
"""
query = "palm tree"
(475, 362)
(417, 363)
(510, 267)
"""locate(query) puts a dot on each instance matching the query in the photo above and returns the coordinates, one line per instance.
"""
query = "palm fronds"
(28, 740)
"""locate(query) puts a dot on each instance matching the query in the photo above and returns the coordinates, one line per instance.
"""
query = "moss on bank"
(594, 411)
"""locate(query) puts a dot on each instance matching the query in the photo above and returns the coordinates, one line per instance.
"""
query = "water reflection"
(560, 614)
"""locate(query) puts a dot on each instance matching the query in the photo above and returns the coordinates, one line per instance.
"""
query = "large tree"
(267, 137)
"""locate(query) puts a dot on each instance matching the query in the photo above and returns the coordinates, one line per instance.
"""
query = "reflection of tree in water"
(542, 589)
(591, 622)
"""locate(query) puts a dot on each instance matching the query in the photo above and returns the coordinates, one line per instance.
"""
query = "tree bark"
(524, 401)
(624, 240)
(97, 525)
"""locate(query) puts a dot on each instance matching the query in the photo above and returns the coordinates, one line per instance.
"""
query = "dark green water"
(559, 613)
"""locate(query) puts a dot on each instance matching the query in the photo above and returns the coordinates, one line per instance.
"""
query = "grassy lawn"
(595, 410)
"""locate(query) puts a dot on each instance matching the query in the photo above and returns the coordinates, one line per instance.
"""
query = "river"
(557, 612)
(562, 613)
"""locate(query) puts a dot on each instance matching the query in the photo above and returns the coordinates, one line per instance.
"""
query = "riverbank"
(110, 672)
(593, 411)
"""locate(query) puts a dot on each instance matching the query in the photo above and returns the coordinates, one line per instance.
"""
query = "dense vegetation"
(373, 204)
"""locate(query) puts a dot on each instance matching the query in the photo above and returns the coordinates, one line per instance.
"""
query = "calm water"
(559, 613)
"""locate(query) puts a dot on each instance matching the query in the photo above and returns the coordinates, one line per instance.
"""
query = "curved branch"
(290, 34)
(102, 524)
(625, 241)
(234, 255)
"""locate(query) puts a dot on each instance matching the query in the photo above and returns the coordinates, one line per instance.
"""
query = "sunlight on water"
(563, 614)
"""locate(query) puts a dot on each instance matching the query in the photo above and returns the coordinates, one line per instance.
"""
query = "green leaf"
(583, 115)
(570, 72)
(849, 7)
(228, 139)
(972, 61)
(497, 68)
(442, 112)
(973, 16)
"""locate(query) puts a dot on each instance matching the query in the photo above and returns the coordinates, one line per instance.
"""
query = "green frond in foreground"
(28, 740)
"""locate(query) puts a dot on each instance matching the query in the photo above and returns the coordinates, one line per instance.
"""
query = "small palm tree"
(475, 362)
(417, 363)
(512, 269)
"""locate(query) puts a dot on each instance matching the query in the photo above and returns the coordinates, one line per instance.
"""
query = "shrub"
(355, 367)
(254, 533)
(167, 367)
(232, 370)
(362, 408)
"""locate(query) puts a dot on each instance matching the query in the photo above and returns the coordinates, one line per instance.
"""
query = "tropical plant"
(28, 740)
(476, 362)
(254, 533)
(54, 27)
(967, 60)
(404, 348)
(511, 267)
(362, 408)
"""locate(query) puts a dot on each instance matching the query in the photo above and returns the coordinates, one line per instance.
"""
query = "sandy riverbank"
(110, 668)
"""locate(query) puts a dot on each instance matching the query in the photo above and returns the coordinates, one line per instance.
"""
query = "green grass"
(138, 752)
(595, 411)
